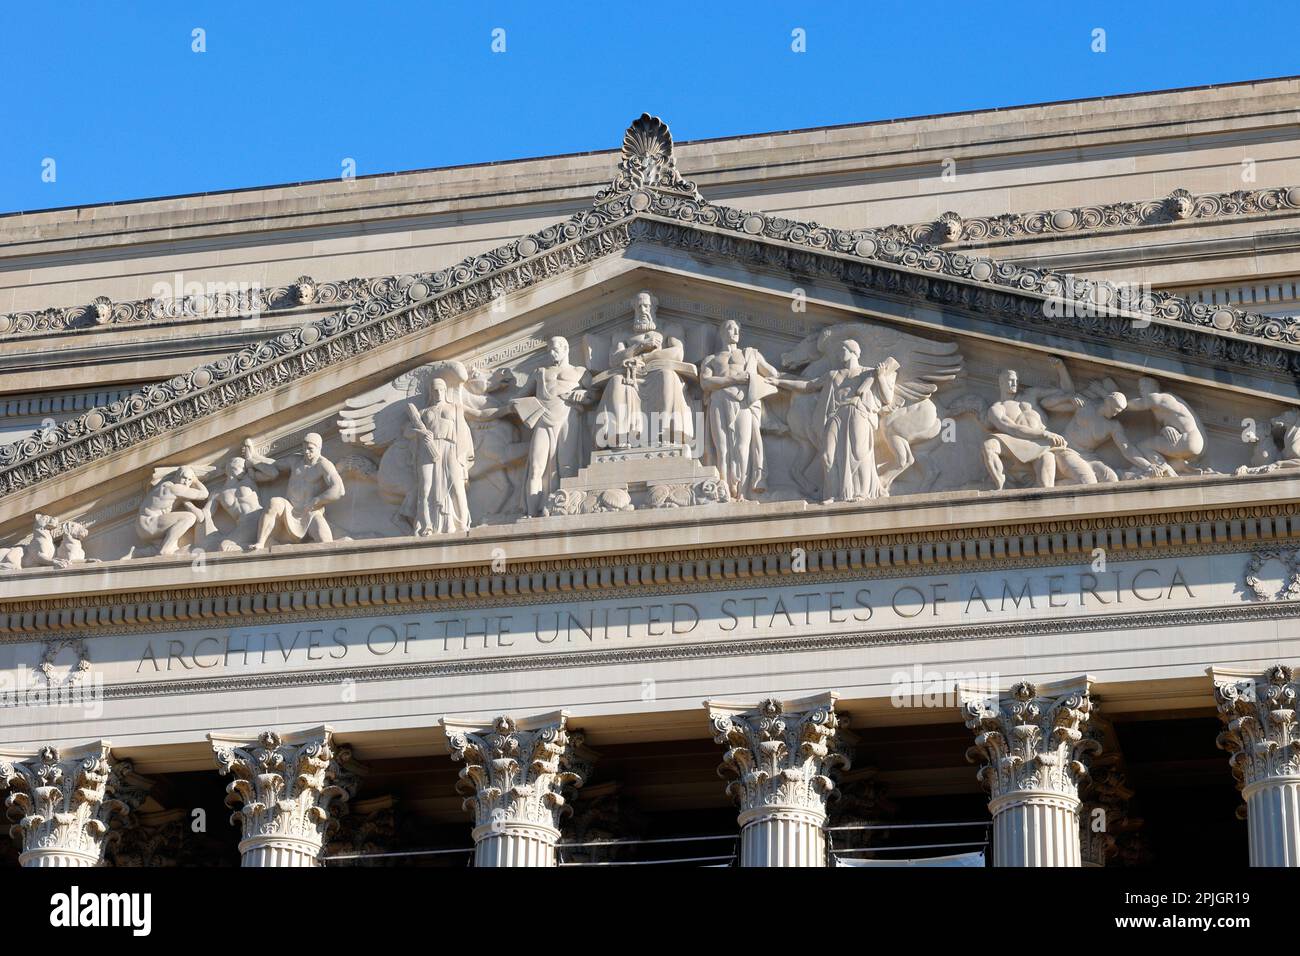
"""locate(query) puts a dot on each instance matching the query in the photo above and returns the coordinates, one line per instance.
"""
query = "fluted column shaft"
(779, 760)
(782, 837)
(517, 779)
(515, 845)
(1273, 819)
(1031, 743)
(56, 857)
(1035, 829)
(1259, 716)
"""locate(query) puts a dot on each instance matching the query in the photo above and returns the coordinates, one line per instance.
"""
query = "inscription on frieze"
(743, 614)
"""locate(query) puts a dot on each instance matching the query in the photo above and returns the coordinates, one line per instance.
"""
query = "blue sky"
(115, 95)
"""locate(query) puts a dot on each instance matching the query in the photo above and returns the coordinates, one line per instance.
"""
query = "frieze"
(893, 554)
(648, 201)
(1038, 627)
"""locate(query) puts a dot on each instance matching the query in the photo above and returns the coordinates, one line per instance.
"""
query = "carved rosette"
(287, 794)
(516, 781)
(779, 762)
(65, 804)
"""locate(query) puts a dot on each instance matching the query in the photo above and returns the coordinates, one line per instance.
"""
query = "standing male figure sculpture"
(644, 402)
(314, 482)
(852, 398)
(1020, 433)
(157, 519)
(443, 450)
(735, 381)
(553, 413)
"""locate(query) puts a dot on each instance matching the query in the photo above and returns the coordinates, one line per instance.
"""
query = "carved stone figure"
(1277, 447)
(70, 550)
(1094, 423)
(35, 551)
(443, 451)
(852, 398)
(314, 482)
(924, 365)
(157, 520)
(644, 400)
(551, 410)
(735, 381)
(1021, 436)
(1181, 438)
(238, 497)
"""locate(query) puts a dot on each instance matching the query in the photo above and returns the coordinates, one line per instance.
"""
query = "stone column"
(287, 793)
(1104, 818)
(1107, 831)
(516, 780)
(780, 755)
(1259, 716)
(64, 803)
(1033, 749)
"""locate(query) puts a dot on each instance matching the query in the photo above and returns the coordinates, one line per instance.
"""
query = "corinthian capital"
(286, 788)
(64, 803)
(1259, 716)
(518, 772)
(1030, 738)
(780, 754)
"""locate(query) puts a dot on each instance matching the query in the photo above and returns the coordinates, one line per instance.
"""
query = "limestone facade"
(761, 453)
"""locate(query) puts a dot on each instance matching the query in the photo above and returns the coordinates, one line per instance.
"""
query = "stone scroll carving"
(517, 781)
(65, 805)
(287, 793)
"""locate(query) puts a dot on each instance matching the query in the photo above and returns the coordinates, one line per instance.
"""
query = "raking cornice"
(648, 201)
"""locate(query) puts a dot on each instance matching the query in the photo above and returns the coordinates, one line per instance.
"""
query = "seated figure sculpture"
(1020, 435)
(314, 482)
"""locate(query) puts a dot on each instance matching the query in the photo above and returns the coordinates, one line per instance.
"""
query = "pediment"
(1217, 399)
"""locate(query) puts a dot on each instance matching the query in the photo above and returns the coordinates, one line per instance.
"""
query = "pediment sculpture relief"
(654, 413)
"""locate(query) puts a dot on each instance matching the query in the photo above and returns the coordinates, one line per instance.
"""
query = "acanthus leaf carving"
(780, 755)
(65, 804)
(518, 773)
(1259, 718)
(294, 788)
(1026, 740)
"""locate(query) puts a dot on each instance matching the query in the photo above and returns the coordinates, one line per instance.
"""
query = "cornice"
(1180, 206)
(951, 230)
(655, 208)
(943, 550)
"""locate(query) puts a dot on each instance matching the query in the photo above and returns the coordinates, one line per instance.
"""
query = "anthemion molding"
(950, 229)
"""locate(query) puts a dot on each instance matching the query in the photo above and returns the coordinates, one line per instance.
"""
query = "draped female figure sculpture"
(852, 399)
(443, 450)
